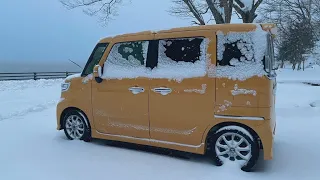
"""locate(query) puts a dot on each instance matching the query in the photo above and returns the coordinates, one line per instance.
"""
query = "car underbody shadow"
(146, 149)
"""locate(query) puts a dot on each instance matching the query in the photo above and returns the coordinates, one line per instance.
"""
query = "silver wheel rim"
(233, 147)
(75, 127)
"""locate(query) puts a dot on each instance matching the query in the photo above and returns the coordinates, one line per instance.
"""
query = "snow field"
(22, 97)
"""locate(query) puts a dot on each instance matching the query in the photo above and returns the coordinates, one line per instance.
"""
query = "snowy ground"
(31, 148)
(310, 75)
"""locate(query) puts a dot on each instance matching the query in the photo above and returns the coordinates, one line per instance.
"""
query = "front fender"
(65, 104)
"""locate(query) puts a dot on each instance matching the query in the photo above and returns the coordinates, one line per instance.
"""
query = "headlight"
(65, 87)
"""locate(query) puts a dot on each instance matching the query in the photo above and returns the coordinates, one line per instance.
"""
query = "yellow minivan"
(203, 89)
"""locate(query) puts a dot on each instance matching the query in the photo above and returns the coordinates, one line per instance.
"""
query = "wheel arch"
(210, 133)
(82, 113)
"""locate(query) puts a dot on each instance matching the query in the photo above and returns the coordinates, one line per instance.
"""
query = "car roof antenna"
(75, 63)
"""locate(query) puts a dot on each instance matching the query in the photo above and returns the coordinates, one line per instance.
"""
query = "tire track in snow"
(36, 108)
(19, 98)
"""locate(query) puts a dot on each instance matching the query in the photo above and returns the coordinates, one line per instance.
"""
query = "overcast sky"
(43, 30)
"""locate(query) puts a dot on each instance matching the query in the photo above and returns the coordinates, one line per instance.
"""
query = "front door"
(182, 97)
(120, 102)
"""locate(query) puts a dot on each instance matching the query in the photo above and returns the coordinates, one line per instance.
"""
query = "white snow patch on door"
(174, 131)
(238, 91)
(128, 126)
(200, 91)
(224, 106)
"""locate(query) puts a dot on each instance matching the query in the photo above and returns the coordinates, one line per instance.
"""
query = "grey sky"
(43, 30)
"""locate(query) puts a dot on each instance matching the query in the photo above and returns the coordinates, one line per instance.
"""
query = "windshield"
(94, 58)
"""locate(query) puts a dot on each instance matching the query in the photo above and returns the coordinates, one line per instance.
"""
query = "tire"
(76, 126)
(245, 152)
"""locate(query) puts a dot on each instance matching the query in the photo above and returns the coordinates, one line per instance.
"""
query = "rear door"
(120, 102)
(181, 94)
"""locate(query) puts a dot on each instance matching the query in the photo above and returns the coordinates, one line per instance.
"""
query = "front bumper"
(59, 110)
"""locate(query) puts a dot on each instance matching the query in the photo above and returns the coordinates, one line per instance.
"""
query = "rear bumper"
(266, 132)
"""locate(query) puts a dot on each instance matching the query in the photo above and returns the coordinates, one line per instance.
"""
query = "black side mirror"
(98, 79)
(97, 72)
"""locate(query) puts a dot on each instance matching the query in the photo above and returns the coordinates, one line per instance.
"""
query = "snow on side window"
(126, 60)
(185, 50)
(240, 54)
(133, 52)
(177, 59)
(181, 58)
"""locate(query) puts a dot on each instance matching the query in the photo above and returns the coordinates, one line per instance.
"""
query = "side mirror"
(97, 73)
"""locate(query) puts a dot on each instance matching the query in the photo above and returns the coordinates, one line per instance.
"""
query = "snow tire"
(254, 147)
(86, 134)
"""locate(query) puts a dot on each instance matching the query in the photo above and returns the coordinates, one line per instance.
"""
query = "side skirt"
(197, 149)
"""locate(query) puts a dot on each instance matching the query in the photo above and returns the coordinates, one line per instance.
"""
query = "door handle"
(162, 90)
(136, 90)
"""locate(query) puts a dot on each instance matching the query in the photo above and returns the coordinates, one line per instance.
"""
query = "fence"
(35, 75)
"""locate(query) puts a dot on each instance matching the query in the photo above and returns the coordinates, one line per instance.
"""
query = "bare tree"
(221, 10)
(247, 13)
(194, 9)
(298, 23)
(201, 11)
(282, 12)
(106, 9)
(218, 10)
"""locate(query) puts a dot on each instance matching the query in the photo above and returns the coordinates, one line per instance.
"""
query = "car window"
(180, 50)
(94, 58)
(126, 60)
(181, 58)
(169, 59)
(236, 52)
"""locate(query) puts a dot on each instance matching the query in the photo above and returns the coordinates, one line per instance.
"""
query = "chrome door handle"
(163, 91)
(136, 90)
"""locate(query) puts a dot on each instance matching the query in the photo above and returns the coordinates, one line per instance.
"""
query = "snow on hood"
(69, 78)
